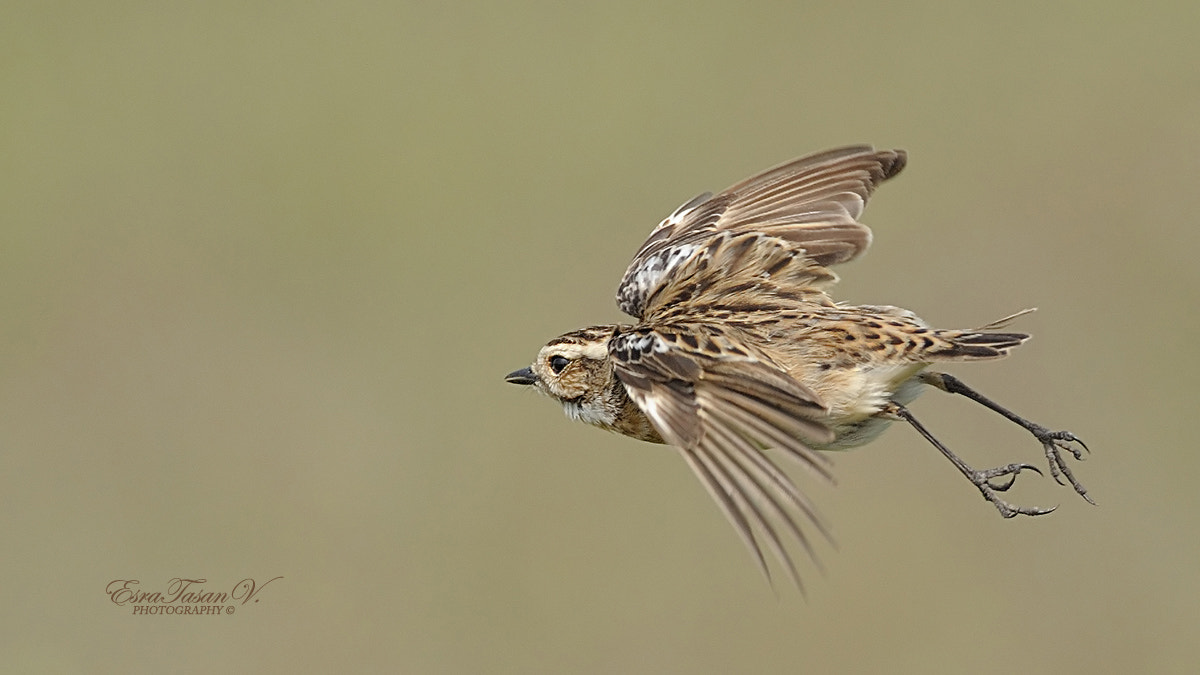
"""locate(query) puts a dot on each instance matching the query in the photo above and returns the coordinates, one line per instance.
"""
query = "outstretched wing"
(810, 205)
(721, 405)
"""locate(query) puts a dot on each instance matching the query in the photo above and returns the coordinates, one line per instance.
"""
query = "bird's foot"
(985, 480)
(1055, 443)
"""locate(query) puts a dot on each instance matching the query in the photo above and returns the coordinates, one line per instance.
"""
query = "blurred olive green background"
(263, 267)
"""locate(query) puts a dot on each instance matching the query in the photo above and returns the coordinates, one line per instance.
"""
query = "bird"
(738, 352)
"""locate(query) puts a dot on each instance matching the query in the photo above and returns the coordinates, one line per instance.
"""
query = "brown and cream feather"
(739, 349)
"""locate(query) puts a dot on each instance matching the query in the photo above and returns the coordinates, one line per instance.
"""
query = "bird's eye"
(557, 363)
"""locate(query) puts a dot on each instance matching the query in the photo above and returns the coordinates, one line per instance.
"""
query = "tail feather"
(971, 345)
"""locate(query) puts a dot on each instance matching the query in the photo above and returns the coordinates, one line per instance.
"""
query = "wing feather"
(811, 203)
(724, 500)
(772, 429)
(722, 406)
(746, 271)
(746, 498)
(761, 480)
(708, 387)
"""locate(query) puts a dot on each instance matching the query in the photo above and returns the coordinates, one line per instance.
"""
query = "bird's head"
(575, 370)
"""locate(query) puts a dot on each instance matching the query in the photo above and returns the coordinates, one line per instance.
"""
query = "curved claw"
(1075, 452)
(1072, 438)
(1034, 511)
(1009, 511)
(1012, 470)
(1033, 469)
(1053, 443)
(1062, 439)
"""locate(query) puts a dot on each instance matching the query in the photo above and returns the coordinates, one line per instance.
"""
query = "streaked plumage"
(738, 348)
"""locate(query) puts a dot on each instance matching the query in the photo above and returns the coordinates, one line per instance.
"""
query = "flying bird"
(738, 349)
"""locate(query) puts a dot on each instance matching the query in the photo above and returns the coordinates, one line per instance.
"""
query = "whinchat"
(738, 349)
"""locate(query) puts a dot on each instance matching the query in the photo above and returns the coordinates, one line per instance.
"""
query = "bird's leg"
(1053, 442)
(982, 479)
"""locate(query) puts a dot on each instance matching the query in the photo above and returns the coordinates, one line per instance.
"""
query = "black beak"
(522, 376)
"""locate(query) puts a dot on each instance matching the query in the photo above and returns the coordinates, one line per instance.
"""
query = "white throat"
(594, 415)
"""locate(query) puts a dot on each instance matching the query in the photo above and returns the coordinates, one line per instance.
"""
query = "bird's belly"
(856, 396)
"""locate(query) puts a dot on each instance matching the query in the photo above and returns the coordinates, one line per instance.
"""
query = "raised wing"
(740, 278)
(810, 205)
(721, 405)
